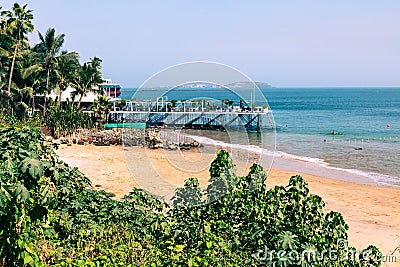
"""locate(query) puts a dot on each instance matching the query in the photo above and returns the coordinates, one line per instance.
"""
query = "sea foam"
(377, 178)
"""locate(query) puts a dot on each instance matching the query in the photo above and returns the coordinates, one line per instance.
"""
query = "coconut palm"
(89, 76)
(20, 24)
(49, 48)
(31, 75)
(102, 107)
(5, 52)
(3, 22)
(4, 66)
(96, 63)
(66, 71)
(20, 101)
(27, 84)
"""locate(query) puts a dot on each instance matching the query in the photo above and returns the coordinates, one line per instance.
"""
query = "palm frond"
(4, 52)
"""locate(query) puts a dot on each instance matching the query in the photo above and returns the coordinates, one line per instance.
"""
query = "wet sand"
(371, 211)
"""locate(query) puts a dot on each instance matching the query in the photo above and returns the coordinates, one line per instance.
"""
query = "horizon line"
(315, 87)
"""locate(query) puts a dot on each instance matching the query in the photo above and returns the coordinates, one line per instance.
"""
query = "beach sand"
(371, 211)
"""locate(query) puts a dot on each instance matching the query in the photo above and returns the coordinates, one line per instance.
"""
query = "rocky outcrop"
(128, 137)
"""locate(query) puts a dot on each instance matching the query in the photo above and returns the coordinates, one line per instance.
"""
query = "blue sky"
(285, 43)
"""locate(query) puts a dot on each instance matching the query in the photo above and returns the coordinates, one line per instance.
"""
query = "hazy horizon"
(283, 43)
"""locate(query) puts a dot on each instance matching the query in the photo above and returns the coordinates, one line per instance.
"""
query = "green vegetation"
(65, 121)
(20, 24)
(28, 74)
(89, 75)
(52, 216)
(102, 107)
(228, 103)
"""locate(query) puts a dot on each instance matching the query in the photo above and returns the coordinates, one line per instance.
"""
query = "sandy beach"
(371, 211)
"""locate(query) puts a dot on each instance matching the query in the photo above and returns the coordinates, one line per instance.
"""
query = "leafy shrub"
(63, 121)
(51, 216)
(26, 192)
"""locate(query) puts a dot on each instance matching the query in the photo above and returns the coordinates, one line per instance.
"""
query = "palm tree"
(49, 47)
(3, 22)
(96, 63)
(5, 51)
(102, 107)
(31, 75)
(20, 101)
(27, 83)
(20, 24)
(88, 78)
(66, 71)
(4, 58)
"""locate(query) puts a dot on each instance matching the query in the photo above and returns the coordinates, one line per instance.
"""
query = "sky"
(286, 43)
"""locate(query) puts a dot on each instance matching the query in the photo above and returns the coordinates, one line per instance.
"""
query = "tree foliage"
(89, 75)
(52, 216)
(64, 121)
(102, 107)
(29, 74)
(18, 25)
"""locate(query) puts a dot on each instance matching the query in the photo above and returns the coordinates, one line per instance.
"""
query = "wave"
(285, 155)
(223, 145)
(378, 178)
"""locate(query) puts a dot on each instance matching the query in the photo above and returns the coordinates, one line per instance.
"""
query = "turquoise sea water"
(306, 117)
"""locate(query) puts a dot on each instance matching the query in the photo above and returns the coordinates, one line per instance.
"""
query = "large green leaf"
(33, 166)
(21, 191)
(5, 196)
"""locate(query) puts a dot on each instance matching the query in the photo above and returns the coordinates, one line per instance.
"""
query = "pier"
(198, 114)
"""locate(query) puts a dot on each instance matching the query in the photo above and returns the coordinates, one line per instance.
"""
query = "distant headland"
(243, 84)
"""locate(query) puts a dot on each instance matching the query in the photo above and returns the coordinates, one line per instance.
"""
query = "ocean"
(306, 117)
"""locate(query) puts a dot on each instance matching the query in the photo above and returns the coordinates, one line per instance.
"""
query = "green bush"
(26, 192)
(64, 121)
(51, 216)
